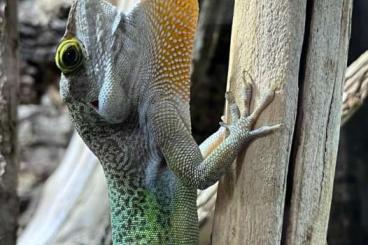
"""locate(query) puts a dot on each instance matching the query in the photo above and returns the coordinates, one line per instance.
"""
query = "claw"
(234, 109)
(245, 120)
(246, 94)
(245, 81)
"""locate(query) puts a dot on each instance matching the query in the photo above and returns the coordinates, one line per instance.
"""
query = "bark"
(354, 95)
(355, 87)
(299, 48)
(312, 168)
(8, 84)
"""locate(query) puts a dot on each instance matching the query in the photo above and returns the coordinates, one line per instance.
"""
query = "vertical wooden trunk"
(312, 164)
(300, 49)
(267, 38)
(8, 84)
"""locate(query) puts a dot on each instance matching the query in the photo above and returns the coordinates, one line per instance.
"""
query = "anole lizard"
(125, 80)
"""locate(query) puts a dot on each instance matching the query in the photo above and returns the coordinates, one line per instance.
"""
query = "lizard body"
(126, 83)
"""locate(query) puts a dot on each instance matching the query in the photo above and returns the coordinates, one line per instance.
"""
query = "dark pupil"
(70, 56)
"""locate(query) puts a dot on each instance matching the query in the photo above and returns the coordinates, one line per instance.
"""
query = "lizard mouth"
(94, 104)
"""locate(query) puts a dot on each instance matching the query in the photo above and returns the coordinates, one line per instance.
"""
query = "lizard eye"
(69, 55)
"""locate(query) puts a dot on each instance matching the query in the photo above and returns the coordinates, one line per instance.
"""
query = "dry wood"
(8, 84)
(267, 39)
(354, 95)
(312, 165)
(355, 87)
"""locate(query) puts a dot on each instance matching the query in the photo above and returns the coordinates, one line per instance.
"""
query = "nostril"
(95, 104)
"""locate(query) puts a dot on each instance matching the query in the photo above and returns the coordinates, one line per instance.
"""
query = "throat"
(138, 215)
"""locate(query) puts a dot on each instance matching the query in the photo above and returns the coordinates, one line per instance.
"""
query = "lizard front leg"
(182, 153)
(214, 140)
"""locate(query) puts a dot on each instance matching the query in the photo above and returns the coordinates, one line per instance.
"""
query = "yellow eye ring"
(69, 55)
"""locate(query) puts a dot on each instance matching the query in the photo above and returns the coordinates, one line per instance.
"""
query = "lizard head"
(96, 58)
(112, 62)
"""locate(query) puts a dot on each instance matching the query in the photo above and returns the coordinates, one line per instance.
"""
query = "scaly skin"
(137, 68)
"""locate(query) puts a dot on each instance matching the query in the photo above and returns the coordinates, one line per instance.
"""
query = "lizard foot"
(241, 123)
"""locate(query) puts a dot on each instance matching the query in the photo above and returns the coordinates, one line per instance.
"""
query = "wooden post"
(316, 139)
(8, 84)
(300, 49)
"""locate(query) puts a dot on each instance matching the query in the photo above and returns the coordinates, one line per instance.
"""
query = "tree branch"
(355, 87)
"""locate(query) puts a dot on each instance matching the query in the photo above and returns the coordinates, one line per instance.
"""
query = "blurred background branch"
(8, 106)
(355, 87)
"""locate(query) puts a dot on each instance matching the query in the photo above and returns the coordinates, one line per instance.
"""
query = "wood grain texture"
(319, 118)
(267, 38)
(8, 84)
(299, 48)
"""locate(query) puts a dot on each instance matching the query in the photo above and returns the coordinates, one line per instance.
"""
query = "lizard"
(125, 79)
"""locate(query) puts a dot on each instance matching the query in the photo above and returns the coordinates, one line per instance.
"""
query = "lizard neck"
(141, 189)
